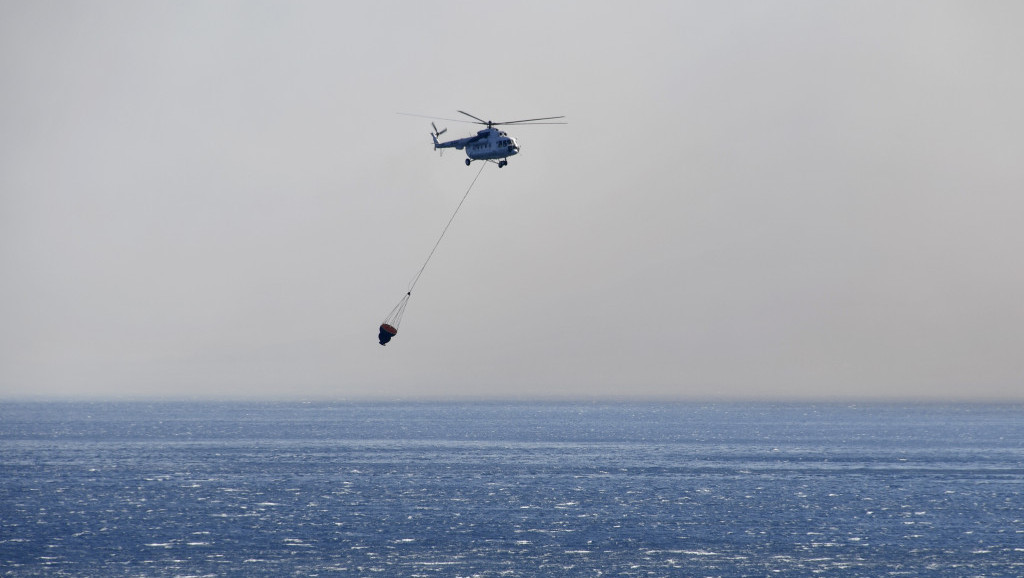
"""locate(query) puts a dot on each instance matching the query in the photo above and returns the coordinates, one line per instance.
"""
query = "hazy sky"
(752, 199)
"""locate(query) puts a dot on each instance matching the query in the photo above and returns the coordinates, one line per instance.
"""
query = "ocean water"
(510, 489)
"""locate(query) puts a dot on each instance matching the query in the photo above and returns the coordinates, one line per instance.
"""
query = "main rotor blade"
(533, 120)
(436, 117)
(481, 121)
(471, 116)
(527, 123)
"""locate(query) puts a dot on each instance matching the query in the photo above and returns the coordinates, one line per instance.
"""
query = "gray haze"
(752, 199)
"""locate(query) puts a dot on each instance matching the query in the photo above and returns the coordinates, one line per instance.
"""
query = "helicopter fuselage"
(488, 144)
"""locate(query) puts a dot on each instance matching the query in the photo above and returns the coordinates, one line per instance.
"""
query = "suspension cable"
(395, 317)
(420, 272)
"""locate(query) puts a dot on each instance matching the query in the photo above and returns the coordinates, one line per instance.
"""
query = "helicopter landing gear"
(502, 163)
(468, 161)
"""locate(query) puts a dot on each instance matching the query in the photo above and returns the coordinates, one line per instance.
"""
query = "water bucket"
(386, 333)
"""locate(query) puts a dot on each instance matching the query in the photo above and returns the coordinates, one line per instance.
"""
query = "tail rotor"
(436, 134)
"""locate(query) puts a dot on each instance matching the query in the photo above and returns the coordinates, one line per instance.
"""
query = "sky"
(752, 200)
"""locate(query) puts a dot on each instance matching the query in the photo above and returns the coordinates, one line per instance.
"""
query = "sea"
(464, 489)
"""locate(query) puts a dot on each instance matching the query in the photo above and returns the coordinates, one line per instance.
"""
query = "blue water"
(489, 489)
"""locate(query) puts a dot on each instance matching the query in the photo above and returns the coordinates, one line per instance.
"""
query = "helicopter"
(490, 144)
